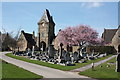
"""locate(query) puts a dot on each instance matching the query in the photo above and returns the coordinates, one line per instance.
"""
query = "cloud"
(91, 4)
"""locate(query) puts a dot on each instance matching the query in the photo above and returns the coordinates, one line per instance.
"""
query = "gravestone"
(118, 63)
(28, 52)
(67, 56)
(63, 56)
(93, 66)
(32, 53)
(61, 50)
(60, 53)
(75, 56)
(51, 51)
(42, 47)
(68, 61)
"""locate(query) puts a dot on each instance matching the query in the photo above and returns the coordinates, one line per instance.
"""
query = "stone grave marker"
(75, 56)
(118, 63)
(51, 51)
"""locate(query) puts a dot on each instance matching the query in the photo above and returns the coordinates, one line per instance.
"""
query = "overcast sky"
(25, 15)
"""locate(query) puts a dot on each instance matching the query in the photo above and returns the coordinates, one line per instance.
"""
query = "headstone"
(75, 56)
(51, 51)
(63, 56)
(118, 63)
(92, 66)
(60, 51)
(67, 56)
(42, 47)
(104, 54)
(108, 66)
(33, 50)
(101, 55)
(68, 60)
(81, 53)
(29, 52)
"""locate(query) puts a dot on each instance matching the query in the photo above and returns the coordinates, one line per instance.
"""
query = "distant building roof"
(108, 35)
(29, 38)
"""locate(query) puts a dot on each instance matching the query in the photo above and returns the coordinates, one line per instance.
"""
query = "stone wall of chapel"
(22, 43)
(116, 40)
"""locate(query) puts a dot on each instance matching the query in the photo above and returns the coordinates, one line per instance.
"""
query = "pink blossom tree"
(79, 35)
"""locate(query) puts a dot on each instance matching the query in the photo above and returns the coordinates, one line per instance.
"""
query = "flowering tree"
(79, 35)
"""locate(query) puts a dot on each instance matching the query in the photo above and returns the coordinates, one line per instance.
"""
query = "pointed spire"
(46, 17)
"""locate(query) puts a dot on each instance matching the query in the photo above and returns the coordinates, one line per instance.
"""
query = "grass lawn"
(0, 69)
(12, 72)
(104, 72)
(56, 66)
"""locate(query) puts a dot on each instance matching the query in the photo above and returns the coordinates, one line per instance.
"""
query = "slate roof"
(29, 38)
(108, 34)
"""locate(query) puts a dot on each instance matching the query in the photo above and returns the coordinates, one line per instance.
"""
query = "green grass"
(12, 72)
(104, 72)
(0, 69)
(56, 66)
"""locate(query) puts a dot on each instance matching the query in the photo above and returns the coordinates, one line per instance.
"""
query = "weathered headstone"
(33, 51)
(75, 56)
(67, 57)
(51, 51)
(60, 53)
(61, 50)
(93, 66)
(118, 63)
(29, 52)
(42, 47)
(63, 56)
(68, 61)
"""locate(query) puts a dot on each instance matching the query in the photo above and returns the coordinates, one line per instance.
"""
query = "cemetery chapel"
(46, 36)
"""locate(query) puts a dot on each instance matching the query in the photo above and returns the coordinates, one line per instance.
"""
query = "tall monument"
(45, 31)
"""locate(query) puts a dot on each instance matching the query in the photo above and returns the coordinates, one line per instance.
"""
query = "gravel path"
(89, 66)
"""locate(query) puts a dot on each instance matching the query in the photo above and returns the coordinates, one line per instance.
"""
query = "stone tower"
(45, 31)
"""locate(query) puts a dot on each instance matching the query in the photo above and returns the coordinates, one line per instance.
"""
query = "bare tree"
(10, 41)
